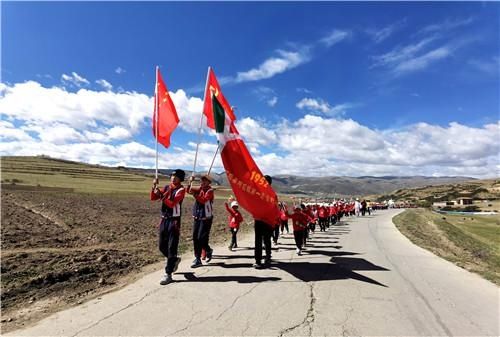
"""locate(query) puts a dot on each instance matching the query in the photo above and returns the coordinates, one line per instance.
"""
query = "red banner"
(250, 187)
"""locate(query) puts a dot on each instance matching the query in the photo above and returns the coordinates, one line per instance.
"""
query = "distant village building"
(465, 201)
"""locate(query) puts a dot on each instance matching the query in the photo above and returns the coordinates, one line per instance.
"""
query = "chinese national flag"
(213, 89)
(165, 109)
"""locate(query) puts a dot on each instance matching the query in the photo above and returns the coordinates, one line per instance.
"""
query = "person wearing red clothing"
(171, 196)
(299, 223)
(323, 216)
(235, 218)
(283, 217)
(203, 217)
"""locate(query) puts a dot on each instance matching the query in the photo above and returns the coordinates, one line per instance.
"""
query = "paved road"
(362, 277)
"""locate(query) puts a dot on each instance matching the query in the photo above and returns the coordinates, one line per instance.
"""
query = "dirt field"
(61, 248)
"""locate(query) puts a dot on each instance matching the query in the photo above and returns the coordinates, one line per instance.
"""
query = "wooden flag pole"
(213, 159)
(199, 129)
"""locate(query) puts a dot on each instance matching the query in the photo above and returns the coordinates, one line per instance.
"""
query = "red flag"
(213, 89)
(250, 187)
(167, 115)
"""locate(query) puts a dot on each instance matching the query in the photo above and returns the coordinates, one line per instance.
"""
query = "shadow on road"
(339, 266)
(190, 277)
(312, 272)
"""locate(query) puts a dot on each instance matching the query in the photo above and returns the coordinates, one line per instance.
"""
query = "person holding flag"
(165, 121)
(203, 217)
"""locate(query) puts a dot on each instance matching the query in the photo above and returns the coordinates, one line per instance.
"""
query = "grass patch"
(471, 242)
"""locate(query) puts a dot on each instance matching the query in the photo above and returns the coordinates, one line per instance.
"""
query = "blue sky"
(320, 88)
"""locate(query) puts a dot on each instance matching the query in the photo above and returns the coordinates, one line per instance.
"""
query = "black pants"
(322, 224)
(169, 241)
(263, 233)
(284, 225)
(234, 243)
(276, 234)
(201, 235)
(299, 238)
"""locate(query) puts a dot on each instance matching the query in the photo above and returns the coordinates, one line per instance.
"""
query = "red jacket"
(299, 220)
(173, 202)
(235, 217)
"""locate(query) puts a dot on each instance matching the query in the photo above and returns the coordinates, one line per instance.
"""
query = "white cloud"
(275, 65)
(99, 127)
(419, 55)
(188, 109)
(401, 54)
(447, 25)
(490, 66)
(319, 105)
(254, 132)
(266, 94)
(8, 132)
(80, 110)
(335, 37)
(74, 79)
(314, 104)
(272, 101)
(323, 146)
(120, 70)
(59, 134)
(118, 133)
(423, 61)
(379, 35)
(105, 84)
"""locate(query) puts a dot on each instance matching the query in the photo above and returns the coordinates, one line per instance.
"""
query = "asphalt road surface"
(361, 277)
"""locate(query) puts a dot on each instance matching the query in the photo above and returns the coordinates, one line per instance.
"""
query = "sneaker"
(230, 248)
(235, 246)
(167, 278)
(196, 263)
(176, 265)
(267, 263)
(257, 265)
(297, 250)
(299, 253)
(209, 255)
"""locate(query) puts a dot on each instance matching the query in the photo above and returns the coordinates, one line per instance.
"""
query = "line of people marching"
(305, 218)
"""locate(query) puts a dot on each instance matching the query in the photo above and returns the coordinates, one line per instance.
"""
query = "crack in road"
(212, 316)
(236, 300)
(117, 312)
(310, 316)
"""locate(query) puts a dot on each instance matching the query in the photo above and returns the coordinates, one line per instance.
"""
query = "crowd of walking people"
(306, 218)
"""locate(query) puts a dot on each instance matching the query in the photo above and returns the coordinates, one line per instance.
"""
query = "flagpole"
(213, 159)
(156, 126)
(199, 129)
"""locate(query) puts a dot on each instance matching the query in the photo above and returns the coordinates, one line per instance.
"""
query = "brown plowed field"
(61, 248)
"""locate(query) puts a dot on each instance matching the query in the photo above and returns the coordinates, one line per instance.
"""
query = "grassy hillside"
(471, 242)
(48, 172)
(487, 189)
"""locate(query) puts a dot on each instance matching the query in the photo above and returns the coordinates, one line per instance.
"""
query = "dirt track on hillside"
(59, 249)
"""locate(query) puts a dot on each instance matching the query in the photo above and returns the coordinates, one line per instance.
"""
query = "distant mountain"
(320, 187)
(329, 187)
